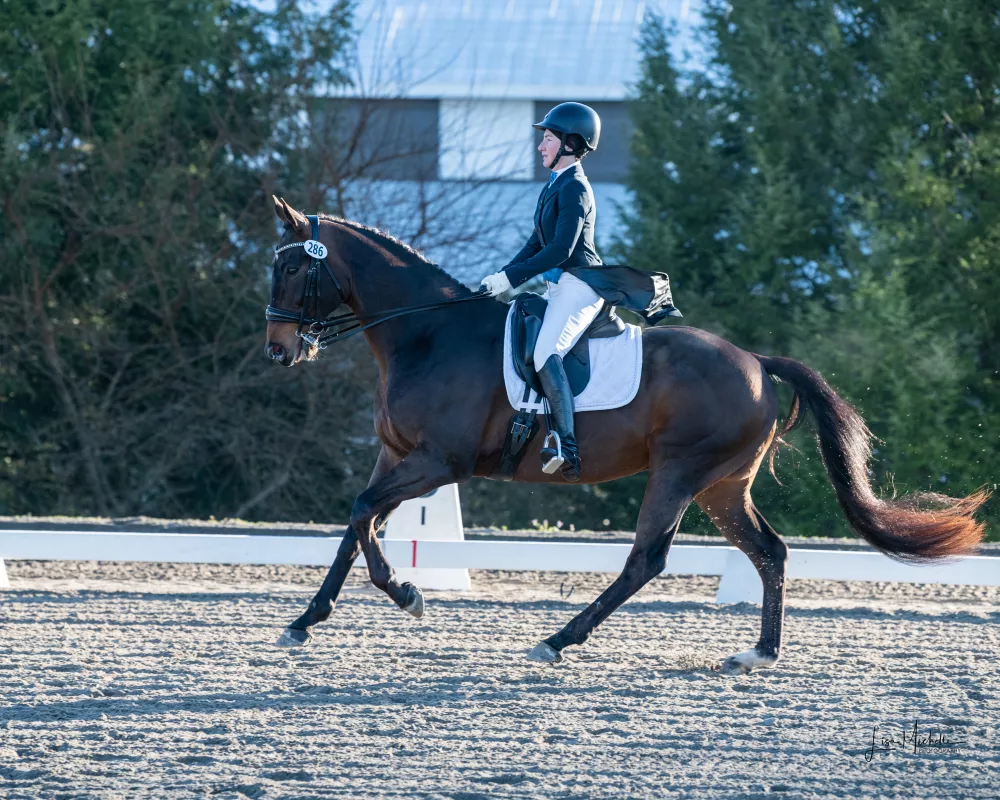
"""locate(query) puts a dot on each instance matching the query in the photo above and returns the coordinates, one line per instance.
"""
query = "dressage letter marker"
(434, 517)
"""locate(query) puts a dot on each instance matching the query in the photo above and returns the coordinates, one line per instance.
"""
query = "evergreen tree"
(829, 190)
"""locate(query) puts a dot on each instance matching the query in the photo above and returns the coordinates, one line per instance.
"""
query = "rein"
(317, 332)
(354, 323)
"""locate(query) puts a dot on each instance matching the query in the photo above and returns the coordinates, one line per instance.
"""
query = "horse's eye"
(291, 270)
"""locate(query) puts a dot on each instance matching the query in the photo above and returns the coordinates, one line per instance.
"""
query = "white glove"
(496, 284)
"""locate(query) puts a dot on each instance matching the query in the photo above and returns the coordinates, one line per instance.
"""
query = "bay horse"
(702, 423)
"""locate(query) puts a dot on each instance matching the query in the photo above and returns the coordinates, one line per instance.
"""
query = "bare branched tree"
(135, 253)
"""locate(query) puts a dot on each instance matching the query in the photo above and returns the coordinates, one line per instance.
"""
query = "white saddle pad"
(615, 371)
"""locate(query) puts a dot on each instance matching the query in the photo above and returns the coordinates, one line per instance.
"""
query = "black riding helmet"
(578, 127)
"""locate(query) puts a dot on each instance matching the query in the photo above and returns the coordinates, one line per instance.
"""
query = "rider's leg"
(555, 384)
(573, 305)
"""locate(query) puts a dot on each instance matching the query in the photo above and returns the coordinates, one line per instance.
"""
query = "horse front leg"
(420, 472)
(322, 605)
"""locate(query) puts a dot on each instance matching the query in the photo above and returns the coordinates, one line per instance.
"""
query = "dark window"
(387, 139)
(610, 161)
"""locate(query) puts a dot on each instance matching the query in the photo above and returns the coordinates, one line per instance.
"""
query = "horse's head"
(304, 287)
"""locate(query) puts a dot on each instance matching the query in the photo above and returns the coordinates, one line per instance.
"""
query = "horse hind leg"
(729, 506)
(666, 499)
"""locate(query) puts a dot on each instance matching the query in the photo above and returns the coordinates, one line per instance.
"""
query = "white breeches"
(573, 305)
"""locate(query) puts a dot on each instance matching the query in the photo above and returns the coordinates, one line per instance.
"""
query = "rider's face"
(548, 147)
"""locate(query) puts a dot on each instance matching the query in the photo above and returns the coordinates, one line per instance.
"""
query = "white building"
(448, 90)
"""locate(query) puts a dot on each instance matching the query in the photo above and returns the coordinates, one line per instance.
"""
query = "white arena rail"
(740, 582)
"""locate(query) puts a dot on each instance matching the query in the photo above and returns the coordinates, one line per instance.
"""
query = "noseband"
(322, 332)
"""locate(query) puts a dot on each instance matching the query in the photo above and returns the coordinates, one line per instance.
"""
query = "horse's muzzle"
(274, 351)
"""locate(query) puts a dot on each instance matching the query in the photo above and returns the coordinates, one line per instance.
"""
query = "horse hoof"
(415, 605)
(746, 662)
(294, 637)
(545, 654)
(733, 666)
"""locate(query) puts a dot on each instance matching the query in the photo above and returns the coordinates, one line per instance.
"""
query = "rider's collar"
(559, 172)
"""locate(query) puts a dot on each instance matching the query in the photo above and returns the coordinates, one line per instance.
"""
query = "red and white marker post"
(434, 517)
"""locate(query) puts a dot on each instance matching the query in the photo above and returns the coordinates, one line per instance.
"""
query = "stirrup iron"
(556, 461)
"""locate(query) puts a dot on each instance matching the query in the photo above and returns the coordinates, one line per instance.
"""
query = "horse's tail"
(921, 528)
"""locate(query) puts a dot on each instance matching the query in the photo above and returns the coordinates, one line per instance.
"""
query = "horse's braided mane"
(386, 238)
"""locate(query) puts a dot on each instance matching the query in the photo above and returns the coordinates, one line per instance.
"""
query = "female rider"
(563, 237)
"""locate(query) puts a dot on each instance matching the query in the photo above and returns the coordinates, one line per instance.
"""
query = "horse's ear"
(291, 217)
(279, 210)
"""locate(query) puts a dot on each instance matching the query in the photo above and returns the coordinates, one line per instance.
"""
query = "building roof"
(506, 49)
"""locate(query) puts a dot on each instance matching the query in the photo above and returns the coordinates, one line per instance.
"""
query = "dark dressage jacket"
(564, 229)
(563, 238)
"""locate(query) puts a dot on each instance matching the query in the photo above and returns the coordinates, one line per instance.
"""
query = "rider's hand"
(496, 284)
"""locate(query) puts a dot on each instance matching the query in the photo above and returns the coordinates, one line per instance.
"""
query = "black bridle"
(321, 332)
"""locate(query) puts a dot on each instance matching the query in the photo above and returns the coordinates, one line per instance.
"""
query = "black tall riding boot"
(555, 384)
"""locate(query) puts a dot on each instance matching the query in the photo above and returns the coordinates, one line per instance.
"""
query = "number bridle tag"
(315, 249)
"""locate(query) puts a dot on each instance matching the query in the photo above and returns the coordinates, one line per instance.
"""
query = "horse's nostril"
(276, 351)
